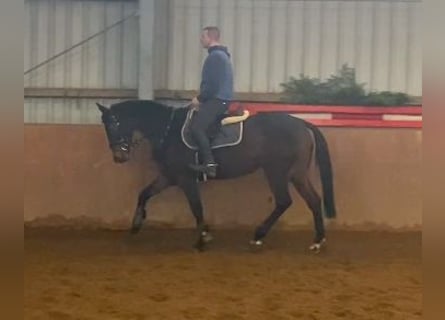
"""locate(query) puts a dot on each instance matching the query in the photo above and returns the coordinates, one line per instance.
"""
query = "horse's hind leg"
(313, 200)
(159, 184)
(279, 185)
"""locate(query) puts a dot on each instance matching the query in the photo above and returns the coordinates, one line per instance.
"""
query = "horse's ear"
(102, 108)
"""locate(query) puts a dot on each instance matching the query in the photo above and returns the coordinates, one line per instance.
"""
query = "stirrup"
(209, 168)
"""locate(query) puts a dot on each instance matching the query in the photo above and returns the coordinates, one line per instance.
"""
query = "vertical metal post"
(146, 48)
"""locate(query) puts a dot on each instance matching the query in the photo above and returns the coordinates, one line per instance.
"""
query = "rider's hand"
(195, 103)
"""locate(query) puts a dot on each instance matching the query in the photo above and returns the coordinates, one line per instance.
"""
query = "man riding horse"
(216, 92)
(281, 145)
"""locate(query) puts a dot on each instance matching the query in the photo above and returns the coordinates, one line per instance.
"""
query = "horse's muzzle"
(119, 159)
(120, 156)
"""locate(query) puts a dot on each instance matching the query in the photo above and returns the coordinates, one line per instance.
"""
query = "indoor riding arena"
(82, 261)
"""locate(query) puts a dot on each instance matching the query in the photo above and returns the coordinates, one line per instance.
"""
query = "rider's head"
(210, 36)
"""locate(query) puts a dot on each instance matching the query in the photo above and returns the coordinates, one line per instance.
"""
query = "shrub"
(340, 89)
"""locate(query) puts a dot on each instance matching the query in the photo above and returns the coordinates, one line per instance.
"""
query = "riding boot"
(207, 168)
(208, 165)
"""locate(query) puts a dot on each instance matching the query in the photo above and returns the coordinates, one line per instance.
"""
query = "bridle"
(124, 143)
(117, 140)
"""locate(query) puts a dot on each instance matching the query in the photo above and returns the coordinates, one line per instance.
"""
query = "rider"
(216, 91)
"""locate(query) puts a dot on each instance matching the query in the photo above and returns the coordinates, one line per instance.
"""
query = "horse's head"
(118, 132)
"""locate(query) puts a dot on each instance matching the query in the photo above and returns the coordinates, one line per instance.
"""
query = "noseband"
(117, 140)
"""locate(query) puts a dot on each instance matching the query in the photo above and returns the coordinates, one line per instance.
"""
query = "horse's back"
(278, 124)
(276, 139)
(278, 134)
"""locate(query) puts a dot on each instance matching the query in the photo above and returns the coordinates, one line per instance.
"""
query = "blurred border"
(433, 158)
(11, 160)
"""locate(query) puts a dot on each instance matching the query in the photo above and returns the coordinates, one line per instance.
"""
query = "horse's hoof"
(206, 237)
(135, 228)
(317, 246)
(256, 245)
(138, 221)
(200, 246)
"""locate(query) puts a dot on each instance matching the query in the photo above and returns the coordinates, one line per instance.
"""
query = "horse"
(283, 146)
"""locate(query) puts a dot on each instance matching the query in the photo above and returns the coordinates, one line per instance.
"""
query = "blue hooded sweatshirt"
(217, 76)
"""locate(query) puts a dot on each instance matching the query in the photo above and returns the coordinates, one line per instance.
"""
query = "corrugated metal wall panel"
(382, 46)
(176, 45)
(277, 58)
(242, 48)
(161, 41)
(107, 61)
(27, 43)
(312, 38)
(63, 110)
(330, 23)
(227, 22)
(295, 21)
(365, 46)
(192, 29)
(272, 40)
(414, 63)
(399, 45)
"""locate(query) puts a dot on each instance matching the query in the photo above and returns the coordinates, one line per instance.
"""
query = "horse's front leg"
(191, 190)
(159, 184)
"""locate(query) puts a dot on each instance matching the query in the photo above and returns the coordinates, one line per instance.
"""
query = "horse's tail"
(324, 164)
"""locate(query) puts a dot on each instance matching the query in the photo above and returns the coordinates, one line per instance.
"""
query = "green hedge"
(340, 89)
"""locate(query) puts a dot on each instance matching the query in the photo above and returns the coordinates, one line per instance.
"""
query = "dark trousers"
(206, 115)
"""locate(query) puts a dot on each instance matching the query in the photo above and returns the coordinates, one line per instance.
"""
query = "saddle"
(226, 131)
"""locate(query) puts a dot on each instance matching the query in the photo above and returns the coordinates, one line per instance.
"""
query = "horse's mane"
(137, 108)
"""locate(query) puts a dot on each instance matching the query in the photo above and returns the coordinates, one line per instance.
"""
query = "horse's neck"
(153, 123)
(170, 124)
(178, 121)
(150, 126)
(152, 120)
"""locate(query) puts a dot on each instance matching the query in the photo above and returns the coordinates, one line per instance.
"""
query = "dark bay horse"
(281, 145)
